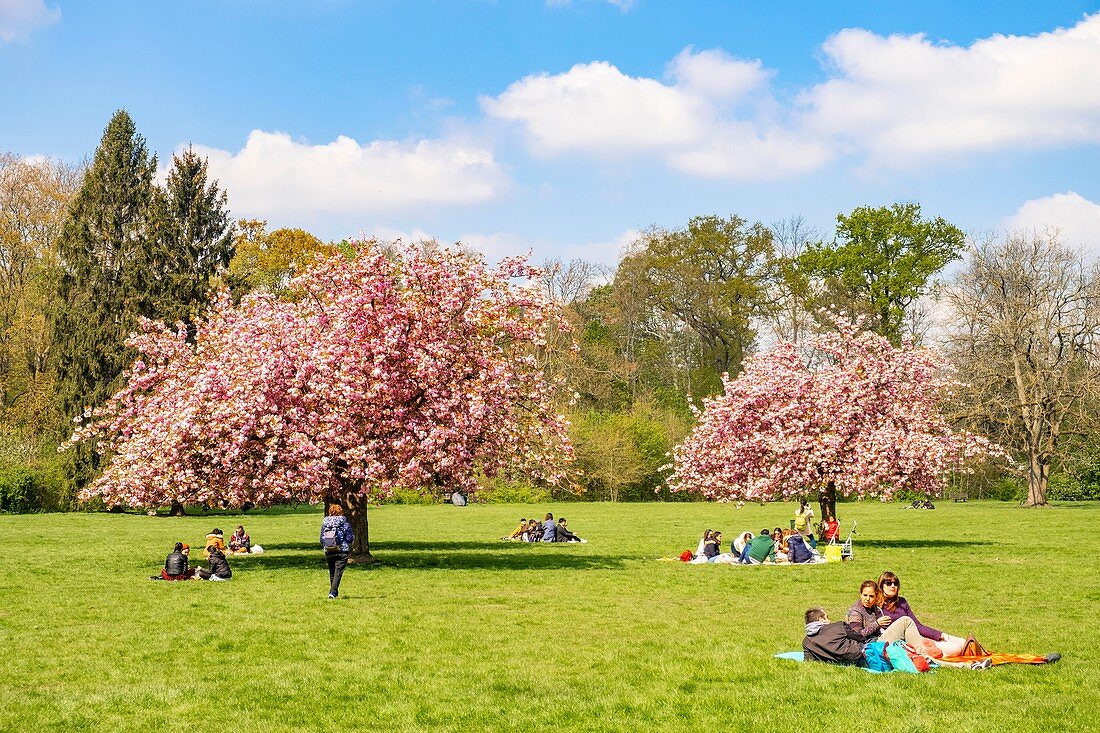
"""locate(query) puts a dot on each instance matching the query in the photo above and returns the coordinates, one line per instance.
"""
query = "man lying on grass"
(838, 643)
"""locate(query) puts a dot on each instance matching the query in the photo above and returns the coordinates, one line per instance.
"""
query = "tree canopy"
(855, 417)
(396, 368)
(882, 261)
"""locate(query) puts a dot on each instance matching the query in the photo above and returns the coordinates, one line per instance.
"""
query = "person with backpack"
(804, 519)
(336, 539)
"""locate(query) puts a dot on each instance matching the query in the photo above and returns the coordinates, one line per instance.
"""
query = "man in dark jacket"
(836, 642)
(219, 568)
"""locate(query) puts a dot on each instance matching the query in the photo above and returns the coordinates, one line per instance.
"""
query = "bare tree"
(572, 282)
(789, 316)
(1025, 332)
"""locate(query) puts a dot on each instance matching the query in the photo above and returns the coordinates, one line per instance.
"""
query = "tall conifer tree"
(198, 233)
(103, 246)
(129, 249)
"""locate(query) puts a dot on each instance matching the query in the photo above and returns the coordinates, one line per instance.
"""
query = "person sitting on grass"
(702, 543)
(781, 547)
(175, 565)
(534, 531)
(798, 551)
(836, 642)
(563, 533)
(239, 542)
(214, 539)
(759, 549)
(517, 533)
(219, 567)
(894, 605)
(739, 542)
(549, 529)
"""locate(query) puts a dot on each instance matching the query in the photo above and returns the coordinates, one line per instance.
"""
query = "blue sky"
(567, 127)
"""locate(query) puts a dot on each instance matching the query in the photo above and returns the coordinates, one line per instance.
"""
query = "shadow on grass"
(919, 544)
(432, 555)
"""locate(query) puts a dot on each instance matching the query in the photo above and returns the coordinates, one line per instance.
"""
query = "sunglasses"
(896, 583)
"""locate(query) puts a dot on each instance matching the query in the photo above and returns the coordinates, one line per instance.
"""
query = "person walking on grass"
(336, 538)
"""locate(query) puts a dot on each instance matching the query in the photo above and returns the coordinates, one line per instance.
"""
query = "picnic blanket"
(1005, 658)
(997, 659)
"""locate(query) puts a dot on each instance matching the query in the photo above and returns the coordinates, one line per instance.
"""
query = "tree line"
(87, 251)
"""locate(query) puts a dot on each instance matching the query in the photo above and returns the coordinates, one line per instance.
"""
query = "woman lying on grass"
(894, 606)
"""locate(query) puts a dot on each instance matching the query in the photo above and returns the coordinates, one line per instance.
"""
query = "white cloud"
(692, 123)
(904, 98)
(274, 174)
(495, 246)
(1076, 217)
(19, 18)
(624, 6)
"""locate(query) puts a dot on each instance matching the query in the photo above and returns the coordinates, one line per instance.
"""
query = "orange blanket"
(1004, 658)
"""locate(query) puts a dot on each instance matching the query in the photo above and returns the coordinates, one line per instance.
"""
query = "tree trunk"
(355, 509)
(826, 500)
(177, 509)
(1038, 473)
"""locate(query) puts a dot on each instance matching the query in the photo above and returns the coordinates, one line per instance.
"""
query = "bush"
(26, 489)
(1064, 487)
(1006, 488)
(18, 494)
(507, 491)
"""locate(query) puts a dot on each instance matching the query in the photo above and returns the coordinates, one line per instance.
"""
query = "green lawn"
(453, 630)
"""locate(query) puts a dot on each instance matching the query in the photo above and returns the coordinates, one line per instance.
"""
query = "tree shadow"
(918, 544)
(435, 555)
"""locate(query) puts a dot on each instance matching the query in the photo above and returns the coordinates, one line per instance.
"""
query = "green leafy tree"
(266, 260)
(701, 286)
(881, 262)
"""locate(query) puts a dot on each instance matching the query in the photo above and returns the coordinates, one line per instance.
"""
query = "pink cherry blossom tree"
(390, 368)
(850, 415)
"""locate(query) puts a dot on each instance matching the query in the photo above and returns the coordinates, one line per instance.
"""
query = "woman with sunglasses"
(895, 606)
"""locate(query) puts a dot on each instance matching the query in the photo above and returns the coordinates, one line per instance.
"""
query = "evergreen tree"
(104, 278)
(197, 233)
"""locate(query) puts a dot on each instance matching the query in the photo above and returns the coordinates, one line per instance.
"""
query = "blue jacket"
(344, 533)
(549, 531)
(798, 550)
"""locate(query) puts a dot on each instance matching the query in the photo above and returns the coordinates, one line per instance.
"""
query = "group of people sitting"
(239, 542)
(880, 615)
(796, 545)
(177, 564)
(532, 530)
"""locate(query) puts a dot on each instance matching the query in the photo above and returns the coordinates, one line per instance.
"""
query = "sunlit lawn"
(455, 630)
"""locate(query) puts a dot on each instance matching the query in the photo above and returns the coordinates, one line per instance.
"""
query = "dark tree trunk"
(826, 500)
(177, 510)
(355, 509)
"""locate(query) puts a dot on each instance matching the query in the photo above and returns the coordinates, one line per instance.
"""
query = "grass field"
(453, 630)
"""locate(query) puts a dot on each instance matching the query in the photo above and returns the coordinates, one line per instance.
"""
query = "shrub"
(511, 491)
(1064, 487)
